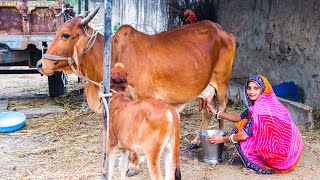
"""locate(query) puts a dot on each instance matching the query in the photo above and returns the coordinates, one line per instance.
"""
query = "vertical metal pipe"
(106, 84)
(86, 5)
(79, 6)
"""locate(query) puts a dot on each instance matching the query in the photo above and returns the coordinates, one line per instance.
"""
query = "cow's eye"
(65, 36)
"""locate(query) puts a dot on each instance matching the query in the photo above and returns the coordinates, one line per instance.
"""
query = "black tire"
(56, 85)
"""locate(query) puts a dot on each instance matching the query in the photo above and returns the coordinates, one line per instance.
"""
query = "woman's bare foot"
(195, 144)
(248, 171)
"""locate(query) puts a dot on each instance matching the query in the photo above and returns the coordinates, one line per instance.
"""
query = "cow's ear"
(132, 92)
(78, 51)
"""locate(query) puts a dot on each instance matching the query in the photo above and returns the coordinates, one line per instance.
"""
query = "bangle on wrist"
(218, 117)
(231, 139)
(215, 114)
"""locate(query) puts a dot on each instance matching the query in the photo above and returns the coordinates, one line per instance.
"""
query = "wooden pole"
(106, 84)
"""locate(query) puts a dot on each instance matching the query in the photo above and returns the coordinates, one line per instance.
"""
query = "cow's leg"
(205, 117)
(206, 98)
(222, 101)
(124, 163)
(112, 161)
(196, 141)
(133, 168)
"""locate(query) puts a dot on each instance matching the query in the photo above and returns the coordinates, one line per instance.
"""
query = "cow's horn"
(90, 16)
(84, 14)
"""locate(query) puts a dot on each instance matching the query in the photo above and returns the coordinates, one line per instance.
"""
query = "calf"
(146, 127)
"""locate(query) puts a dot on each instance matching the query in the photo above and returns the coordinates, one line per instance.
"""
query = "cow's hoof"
(131, 173)
(192, 146)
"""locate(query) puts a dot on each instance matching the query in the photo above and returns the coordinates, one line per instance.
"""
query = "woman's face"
(253, 91)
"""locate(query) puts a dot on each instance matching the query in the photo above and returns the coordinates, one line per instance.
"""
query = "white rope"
(82, 77)
(98, 27)
(94, 32)
(63, 9)
(92, 38)
(106, 128)
(102, 95)
(64, 78)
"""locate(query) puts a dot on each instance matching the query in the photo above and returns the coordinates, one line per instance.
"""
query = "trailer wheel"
(56, 85)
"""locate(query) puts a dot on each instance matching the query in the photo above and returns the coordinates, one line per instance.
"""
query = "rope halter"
(89, 45)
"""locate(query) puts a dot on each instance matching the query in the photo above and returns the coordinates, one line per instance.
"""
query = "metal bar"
(86, 5)
(79, 6)
(16, 71)
(106, 85)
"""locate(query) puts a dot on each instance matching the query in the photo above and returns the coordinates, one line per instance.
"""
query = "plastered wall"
(276, 38)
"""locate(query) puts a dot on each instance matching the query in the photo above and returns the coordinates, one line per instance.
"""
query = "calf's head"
(119, 81)
(118, 78)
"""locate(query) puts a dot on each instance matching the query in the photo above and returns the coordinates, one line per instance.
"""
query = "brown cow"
(148, 127)
(175, 66)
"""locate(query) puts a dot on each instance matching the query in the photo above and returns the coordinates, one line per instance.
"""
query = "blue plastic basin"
(11, 121)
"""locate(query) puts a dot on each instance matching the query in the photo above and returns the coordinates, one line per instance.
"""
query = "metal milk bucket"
(212, 153)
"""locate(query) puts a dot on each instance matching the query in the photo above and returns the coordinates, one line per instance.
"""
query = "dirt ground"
(68, 145)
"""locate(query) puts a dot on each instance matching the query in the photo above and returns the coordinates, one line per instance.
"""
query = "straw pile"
(68, 145)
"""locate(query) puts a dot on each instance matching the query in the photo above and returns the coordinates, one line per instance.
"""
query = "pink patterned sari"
(274, 143)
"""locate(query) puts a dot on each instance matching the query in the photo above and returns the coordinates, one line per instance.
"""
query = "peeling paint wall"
(279, 39)
(144, 15)
(148, 16)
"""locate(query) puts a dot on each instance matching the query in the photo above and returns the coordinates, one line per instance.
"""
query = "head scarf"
(258, 81)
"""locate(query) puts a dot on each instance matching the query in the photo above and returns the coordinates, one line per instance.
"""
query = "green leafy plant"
(72, 2)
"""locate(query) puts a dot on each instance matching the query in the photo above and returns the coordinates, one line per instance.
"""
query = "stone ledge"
(33, 112)
(3, 105)
(43, 111)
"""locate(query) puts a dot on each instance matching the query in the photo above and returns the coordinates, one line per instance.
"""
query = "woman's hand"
(215, 139)
(211, 109)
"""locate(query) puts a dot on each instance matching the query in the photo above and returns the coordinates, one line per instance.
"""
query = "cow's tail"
(176, 149)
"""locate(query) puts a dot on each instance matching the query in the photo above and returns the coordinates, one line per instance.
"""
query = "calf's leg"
(153, 162)
(111, 162)
(124, 163)
(169, 160)
(133, 168)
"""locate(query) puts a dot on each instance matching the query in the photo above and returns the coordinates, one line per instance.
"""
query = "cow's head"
(70, 41)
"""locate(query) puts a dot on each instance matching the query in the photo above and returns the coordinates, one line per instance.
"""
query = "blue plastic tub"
(287, 90)
(11, 121)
